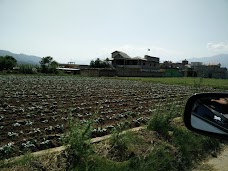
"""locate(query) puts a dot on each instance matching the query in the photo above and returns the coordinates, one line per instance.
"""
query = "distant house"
(174, 69)
(198, 69)
(195, 64)
(146, 64)
(72, 68)
(210, 71)
(171, 65)
(127, 66)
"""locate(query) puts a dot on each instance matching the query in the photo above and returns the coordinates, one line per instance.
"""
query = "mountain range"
(22, 58)
(30, 59)
(216, 59)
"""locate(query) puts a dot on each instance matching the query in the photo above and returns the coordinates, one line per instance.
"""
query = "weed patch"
(78, 144)
(121, 145)
(161, 158)
(189, 147)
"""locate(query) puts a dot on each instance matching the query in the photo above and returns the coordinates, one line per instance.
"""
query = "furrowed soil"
(35, 110)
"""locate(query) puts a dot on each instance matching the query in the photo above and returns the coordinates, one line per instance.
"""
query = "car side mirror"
(207, 113)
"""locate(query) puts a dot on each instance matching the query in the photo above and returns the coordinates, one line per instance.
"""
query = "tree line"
(47, 65)
(98, 63)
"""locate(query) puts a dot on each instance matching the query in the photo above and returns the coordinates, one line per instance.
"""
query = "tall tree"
(48, 65)
(7, 62)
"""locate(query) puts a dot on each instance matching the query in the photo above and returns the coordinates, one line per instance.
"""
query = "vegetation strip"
(62, 148)
(186, 81)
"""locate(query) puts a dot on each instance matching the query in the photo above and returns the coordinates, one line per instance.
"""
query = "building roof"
(69, 69)
(124, 55)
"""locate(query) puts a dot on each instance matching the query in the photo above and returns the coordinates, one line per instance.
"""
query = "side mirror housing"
(207, 113)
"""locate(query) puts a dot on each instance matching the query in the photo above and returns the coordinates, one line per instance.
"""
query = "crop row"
(35, 110)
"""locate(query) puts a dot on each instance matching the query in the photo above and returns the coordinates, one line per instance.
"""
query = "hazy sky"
(82, 30)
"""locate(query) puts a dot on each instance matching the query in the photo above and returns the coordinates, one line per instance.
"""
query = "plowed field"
(34, 110)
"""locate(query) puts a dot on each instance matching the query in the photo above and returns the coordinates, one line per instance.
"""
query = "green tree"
(28, 68)
(100, 63)
(48, 65)
(7, 62)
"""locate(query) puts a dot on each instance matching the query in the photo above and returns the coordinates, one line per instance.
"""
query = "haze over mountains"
(22, 58)
(31, 59)
(221, 58)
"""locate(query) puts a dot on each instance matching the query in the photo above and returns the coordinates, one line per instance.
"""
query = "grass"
(186, 143)
(186, 81)
(161, 158)
(189, 147)
(121, 145)
(23, 162)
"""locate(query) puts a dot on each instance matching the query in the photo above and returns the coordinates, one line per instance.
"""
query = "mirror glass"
(210, 114)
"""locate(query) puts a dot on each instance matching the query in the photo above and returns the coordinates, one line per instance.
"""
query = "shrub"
(119, 145)
(78, 144)
(27, 69)
(160, 121)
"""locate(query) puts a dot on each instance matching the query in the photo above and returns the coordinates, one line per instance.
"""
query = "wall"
(210, 71)
(137, 73)
(98, 72)
(173, 73)
(119, 72)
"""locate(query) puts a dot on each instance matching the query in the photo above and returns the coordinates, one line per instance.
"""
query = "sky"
(83, 30)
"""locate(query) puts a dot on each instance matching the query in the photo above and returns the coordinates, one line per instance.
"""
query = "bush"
(7, 62)
(160, 121)
(78, 144)
(120, 145)
(27, 69)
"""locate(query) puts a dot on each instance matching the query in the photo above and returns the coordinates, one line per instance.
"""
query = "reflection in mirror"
(211, 115)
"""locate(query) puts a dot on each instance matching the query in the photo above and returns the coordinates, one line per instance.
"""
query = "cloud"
(222, 46)
(133, 51)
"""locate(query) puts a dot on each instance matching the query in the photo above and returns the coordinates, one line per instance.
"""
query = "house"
(171, 69)
(198, 69)
(171, 65)
(210, 71)
(127, 66)
(146, 64)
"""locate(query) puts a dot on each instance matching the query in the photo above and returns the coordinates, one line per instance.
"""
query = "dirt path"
(219, 163)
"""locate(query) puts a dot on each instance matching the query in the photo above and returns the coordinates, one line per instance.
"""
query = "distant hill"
(22, 58)
(221, 58)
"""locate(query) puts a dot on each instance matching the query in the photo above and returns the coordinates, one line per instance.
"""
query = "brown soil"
(34, 111)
